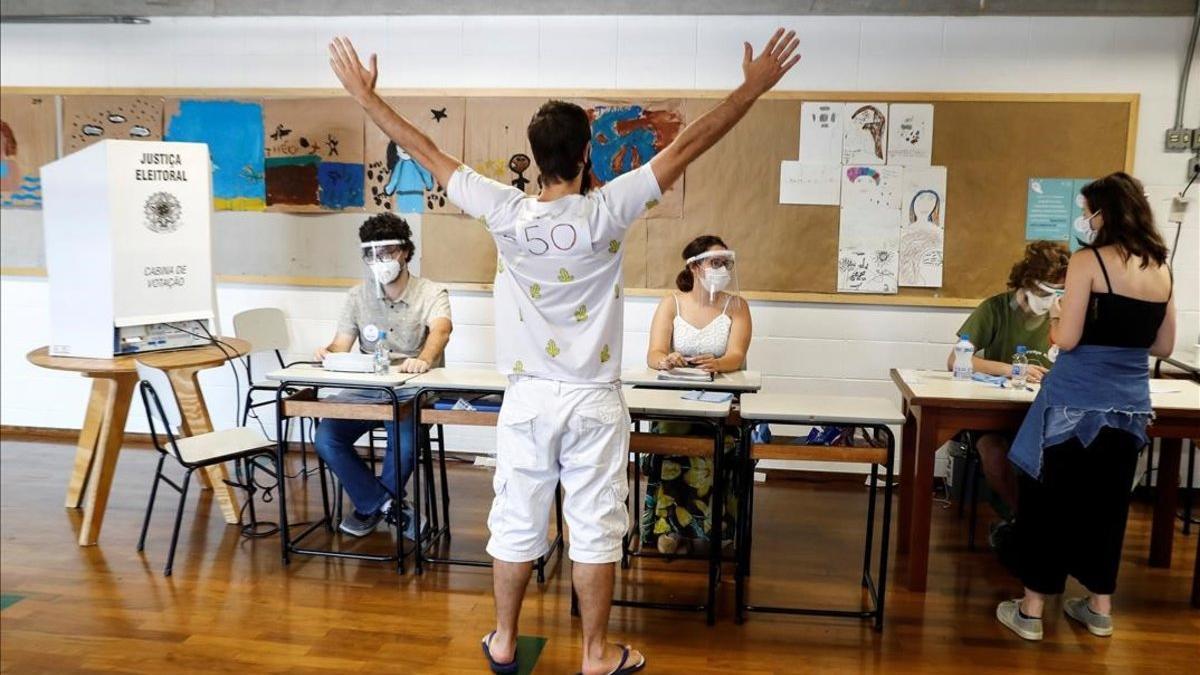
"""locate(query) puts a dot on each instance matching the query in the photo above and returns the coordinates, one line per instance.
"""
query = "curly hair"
(383, 226)
(1043, 261)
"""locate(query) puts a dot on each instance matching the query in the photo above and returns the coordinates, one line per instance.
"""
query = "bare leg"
(509, 580)
(1033, 604)
(594, 586)
(993, 456)
(1100, 604)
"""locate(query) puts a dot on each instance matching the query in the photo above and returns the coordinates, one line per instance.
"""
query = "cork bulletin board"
(990, 144)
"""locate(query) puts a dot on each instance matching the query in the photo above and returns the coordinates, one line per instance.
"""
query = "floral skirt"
(679, 493)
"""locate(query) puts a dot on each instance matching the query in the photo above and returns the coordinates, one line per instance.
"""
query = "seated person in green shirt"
(1018, 316)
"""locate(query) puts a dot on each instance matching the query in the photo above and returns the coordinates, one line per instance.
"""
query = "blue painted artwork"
(408, 182)
(233, 131)
(628, 136)
(27, 194)
(340, 184)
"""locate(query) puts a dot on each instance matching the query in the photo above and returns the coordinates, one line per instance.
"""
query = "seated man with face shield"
(705, 325)
(411, 317)
(1016, 317)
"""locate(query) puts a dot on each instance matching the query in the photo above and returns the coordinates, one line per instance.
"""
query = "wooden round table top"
(208, 355)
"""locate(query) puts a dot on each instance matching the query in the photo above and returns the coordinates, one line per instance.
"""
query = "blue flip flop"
(623, 669)
(500, 668)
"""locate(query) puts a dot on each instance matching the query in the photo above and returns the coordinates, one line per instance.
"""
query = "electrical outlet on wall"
(1179, 139)
(1193, 167)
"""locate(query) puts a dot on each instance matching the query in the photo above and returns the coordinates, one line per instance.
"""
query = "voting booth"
(129, 248)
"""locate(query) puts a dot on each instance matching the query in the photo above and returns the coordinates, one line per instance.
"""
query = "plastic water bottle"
(964, 351)
(382, 359)
(1020, 368)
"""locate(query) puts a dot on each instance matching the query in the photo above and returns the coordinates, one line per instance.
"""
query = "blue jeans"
(335, 445)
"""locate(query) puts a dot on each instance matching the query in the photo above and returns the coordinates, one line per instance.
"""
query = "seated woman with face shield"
(706, 325)
(1020, 316)
(410, 317)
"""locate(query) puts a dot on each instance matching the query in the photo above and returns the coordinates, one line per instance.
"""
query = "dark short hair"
(383, 226)
(1043, 261)
(558, 134)
(685, 281)
(1128, 222)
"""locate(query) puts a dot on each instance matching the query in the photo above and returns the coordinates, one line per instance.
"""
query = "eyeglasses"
(717, 263)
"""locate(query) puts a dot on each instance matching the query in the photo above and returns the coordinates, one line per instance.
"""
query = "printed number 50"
(563, 236)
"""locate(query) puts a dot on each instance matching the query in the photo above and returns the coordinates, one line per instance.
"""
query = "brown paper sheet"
(88, 119)
(28, 139)
(627, 134)
(314, 154)
(442, 119)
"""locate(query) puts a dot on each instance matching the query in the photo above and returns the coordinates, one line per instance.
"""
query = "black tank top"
(1120, 321)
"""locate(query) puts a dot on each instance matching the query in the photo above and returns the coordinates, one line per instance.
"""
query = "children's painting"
(233, 131)
(495, 143)
(27, 141)
(626, 136)
(88, 119)
(910, 134)
(821, 132)
(395, 181)
(865, 135)
(923, 226)
(314, 154)
(868, 251)
(867, 187)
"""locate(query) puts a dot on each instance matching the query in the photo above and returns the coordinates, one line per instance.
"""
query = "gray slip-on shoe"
(1099, 625)
(358, 525)
(1009, 614)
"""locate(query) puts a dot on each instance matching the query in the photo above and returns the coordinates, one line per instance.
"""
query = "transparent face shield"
(1040, 298)
(715, 277)
(383, 262)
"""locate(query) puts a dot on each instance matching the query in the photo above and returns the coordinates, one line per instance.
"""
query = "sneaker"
(359, 525)
(1100, 625)
(1000, 534)
(669, 543)
(1009, 614)
(408, 521)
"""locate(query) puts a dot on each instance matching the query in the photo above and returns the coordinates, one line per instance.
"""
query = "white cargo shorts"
(549, 432)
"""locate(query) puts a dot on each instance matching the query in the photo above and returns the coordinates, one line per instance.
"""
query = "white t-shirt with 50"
(559, 305)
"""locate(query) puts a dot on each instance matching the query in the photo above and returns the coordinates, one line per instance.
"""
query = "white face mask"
(1038, 304)
(1083, 228)
(385, 271)
(715, 280)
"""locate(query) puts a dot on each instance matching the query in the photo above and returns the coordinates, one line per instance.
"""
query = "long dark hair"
(686, 280)
(1128, 223)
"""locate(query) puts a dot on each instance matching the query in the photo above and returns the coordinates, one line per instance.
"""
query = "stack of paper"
(685, 375)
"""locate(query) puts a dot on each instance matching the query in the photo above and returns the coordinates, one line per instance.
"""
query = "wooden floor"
(230, 606)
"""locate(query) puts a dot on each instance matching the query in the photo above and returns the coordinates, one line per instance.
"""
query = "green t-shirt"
(998, 325)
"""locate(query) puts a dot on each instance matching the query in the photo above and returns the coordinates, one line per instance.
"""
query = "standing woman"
(706, 325)
(1078, 447)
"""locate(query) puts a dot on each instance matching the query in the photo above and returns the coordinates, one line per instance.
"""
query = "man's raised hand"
(769, 67)
(358, 80)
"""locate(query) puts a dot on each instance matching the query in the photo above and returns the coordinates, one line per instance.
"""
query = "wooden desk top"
(208, 355)
(932, 387)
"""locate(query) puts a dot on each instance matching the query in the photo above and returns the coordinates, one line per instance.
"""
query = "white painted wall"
(831, 349)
